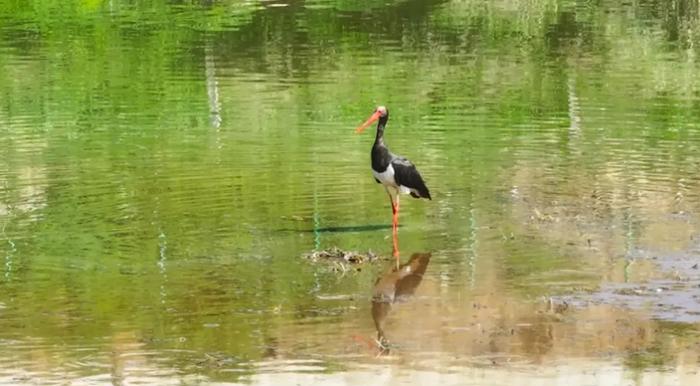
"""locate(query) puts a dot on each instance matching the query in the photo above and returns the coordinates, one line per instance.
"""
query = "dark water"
(164, 166)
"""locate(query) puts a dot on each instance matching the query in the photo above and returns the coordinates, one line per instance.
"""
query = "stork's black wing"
(406, 174)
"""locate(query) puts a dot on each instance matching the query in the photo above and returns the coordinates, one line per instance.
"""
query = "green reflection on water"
(164, 165)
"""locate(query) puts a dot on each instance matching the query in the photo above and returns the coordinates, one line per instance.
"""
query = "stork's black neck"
(379, 139)
(381, 157)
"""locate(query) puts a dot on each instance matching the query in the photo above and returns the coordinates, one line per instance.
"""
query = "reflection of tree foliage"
(89, 90)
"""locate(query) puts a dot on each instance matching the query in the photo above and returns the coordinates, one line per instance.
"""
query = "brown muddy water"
(167, 166)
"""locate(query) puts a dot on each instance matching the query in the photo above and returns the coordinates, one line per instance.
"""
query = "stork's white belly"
(387, 179)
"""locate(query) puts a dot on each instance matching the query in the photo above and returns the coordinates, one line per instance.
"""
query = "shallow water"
(165, 166)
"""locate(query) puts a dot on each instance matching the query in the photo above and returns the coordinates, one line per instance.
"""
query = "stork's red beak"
(368, 122)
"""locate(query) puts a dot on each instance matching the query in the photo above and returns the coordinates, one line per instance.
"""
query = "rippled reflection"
(164, 166)
(396, 286)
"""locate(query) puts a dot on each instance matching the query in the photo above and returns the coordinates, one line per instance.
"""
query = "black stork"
(396, 173)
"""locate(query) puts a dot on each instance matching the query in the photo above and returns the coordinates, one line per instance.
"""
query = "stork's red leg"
(395, 229)
(395, 238)
(397, 208)
(394, 223)
(393, 205)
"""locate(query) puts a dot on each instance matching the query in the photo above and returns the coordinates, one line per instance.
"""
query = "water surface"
(165, 165)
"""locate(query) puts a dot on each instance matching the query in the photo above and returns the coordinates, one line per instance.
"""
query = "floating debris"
(342, 260)
(336, 253)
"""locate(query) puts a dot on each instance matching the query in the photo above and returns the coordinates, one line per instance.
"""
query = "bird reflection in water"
(396, 285)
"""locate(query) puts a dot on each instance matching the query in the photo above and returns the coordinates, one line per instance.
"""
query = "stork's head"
(380, 113)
